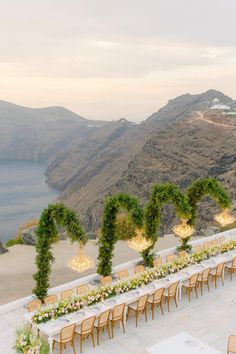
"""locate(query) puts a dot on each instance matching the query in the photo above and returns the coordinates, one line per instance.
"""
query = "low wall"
(11, 306)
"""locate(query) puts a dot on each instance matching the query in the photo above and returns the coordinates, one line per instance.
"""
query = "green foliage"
(54, 215)
(109, 234)
(27, 342)
(184, 245)
(207, 187)
(16, 241)
(162, 194)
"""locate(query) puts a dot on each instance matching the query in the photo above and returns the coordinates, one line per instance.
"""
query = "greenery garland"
(109, 234)
(203, 187)
(162, 194)
(46, 231)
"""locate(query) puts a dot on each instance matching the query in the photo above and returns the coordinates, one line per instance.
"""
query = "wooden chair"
(85, 330)
(65, 337)
(222, 239)
(101, 323)
(117, 315)
(50, 299)
(139, 306)
(198, 248)
(34, 305)
(155, 300)
(82, 289)
(231, 349)
(203, 279)
(123, 274)
(218, 272)
(207, 245)
(214, 242)
(106, 280)
(139, 269)
(171, 293)
(191, 284)
(183, 254)
(171, 258)
(67, 294)
(231, 266)
(157, 262)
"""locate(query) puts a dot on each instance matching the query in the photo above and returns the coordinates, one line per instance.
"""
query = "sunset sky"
(107, 59)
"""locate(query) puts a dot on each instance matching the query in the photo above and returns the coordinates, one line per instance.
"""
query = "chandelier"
(139, 242)
(183, 230)
(80, 263)
(224, 218)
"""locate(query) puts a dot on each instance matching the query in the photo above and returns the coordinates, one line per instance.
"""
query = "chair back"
(87, 325)
(103, 318)
(106, 280)
(170, 258)
(139, 269)
(214, 242)
(157, 262)
(222, 239)
(193, 280)
(198, 248)
(67, 293)
(207, 245)
(81, 289)
(205, 274)
(67, 333)
(233, 263)
(183, 254)
(123, 274)
(34, 305)
(173, 288)
(50, 299)
(231, 344)
(157, 296)
(118, 311)
(142, 301)
(219, 268)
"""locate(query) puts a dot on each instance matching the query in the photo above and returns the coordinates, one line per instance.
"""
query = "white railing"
(11, 306)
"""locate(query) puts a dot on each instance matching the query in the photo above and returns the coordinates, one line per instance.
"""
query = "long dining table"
(53, 327)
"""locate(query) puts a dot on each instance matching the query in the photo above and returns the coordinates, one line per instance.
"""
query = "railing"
(11, 306)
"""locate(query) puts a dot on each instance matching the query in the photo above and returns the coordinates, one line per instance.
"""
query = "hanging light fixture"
(183, 230)
(139, 242)
(80, 263)
(224, 218)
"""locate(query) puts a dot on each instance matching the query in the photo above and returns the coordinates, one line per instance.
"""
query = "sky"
(107, 59)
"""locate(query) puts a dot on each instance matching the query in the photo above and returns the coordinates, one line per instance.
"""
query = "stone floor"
(211, 318)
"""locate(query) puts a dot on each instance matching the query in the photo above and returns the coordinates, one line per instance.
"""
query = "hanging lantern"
(224, 218)
(183, 230)
(80, 263)
(139, 242)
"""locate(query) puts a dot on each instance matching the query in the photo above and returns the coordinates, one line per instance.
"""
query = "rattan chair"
(117, 315)
(34, 305)
(67, 294)
(155, 300)
(183, 254)
(191, 284)
(157, 262)
(171, 293)
(139, 269)
(198, 248)
(65, 337)
(214, 242)
(82, 289)
(102, 323)
(106, 280)
(218, 272)
(123, 274)
(207, 245)
(50, 299)
(231, 266)
(231, 349)
(171, 257)
(203, 279)
(222, 239)
(85, 330)
(139, 306)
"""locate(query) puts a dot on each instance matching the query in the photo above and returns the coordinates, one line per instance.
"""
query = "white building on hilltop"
(217, 105)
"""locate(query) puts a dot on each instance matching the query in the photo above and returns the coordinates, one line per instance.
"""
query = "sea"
(23, 194)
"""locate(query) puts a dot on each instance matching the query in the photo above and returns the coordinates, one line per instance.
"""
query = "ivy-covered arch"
(51, 217)
(108, 237)
(162, 194)
(203, 187)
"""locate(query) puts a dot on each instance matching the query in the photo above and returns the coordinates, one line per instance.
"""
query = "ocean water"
(23, 194)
